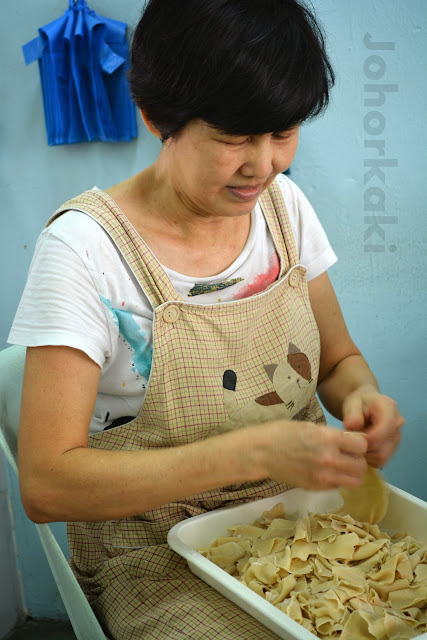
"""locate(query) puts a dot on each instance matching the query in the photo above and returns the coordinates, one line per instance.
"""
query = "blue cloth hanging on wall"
(83, 59)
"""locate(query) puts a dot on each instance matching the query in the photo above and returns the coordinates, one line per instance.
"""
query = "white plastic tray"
(405, 512)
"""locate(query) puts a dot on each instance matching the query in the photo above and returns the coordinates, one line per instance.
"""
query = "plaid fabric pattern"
(138, 587)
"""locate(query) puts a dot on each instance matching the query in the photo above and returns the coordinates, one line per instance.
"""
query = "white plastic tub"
(405, 513)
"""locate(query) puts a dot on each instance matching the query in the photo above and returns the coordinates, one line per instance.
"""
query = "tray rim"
(269, 615)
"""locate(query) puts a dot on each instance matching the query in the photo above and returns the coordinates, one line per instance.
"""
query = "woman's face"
(215, 174)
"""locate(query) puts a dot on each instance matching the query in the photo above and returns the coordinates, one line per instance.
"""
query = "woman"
(180, 324)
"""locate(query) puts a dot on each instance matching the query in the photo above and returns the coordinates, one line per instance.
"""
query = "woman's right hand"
(310, 456)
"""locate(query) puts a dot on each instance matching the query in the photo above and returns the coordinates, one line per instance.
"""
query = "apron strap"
(274, 210)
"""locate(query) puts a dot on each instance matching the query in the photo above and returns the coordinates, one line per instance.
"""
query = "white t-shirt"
(81, 293)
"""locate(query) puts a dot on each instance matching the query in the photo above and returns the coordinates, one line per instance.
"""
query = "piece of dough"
(335, 576)
(369, 502)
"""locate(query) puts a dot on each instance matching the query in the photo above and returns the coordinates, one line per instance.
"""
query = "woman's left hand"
(377, 416)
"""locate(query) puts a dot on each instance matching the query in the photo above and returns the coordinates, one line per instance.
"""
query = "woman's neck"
(183, 240)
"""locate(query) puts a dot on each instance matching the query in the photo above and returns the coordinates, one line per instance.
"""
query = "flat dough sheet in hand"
(369, 502)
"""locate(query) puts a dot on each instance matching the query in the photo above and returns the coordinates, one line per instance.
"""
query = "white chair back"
(82, 618)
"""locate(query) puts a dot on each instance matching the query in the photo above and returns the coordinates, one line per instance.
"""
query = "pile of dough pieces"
(334, 575)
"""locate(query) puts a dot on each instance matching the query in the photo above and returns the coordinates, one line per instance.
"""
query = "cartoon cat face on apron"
(215, 368)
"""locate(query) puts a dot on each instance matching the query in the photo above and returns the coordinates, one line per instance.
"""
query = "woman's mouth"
(245, 193)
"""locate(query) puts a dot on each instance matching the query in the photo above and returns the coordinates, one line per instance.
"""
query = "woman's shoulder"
(292, 194)
(81, 233)
(299, 210)
(313, 246)
(74, 222)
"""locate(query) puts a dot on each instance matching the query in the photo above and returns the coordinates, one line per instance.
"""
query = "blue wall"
(382, 293)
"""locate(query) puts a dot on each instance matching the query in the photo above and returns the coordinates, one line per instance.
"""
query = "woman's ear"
(150, 126)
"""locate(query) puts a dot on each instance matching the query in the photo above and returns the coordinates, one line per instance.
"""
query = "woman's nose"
(258, 162)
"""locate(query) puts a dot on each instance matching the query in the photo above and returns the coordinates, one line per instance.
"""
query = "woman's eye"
(237, 141)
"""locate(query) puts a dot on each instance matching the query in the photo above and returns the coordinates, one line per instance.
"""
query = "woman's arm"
(62, 479)
(347, 387)
(342, 367)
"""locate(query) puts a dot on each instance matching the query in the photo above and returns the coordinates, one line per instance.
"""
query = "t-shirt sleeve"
(60, 304)
(315, 251)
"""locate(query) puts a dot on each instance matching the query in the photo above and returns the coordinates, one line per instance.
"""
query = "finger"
(380, 457)
(348, 482)
(351, 462)
(382, 440)
(386, 449)
(384, 422)
(353, 442)
(331, 479)
(351, 465)
(353, 416)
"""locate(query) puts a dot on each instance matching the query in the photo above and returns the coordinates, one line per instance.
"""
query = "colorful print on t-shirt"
(198, 289)
(261, 281)
(132, 333)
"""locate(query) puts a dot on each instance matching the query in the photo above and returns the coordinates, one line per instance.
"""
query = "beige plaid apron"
(213, 367)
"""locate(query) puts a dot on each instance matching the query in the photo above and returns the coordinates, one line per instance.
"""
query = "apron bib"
(215, 368)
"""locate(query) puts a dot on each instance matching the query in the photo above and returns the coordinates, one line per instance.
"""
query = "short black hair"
(246, 67)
